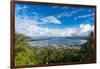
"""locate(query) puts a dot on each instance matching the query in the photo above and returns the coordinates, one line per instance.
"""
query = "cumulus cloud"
(33, 30)
(86, 28)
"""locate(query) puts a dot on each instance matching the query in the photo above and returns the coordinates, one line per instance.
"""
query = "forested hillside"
(26, 54)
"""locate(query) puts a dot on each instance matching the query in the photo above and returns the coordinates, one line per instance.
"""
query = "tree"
(88, 49)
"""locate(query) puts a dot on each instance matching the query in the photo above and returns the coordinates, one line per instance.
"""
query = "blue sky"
(44, 20)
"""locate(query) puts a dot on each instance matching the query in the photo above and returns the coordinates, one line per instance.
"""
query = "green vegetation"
(23, 50)
(26, 54)
(88, 49)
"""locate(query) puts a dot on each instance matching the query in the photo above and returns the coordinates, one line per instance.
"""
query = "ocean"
(58, 41)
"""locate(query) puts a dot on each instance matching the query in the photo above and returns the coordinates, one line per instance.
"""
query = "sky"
(53, 21)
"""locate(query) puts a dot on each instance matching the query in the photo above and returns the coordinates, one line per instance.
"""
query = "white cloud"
(65, 8)
(33, 30)
(28, 19)
(35, 13)
(68, 14)
(75, 11)
(29, 26)
(51, 19)
(64, 14)
(24, 7)
(83, 16)
(19, 8)
(85, 28)
(55, 7)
